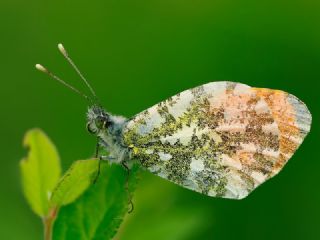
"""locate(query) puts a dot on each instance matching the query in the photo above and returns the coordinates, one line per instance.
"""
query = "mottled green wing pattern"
(221, 139)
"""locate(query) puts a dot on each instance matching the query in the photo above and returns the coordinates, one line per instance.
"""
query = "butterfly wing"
(221, 139)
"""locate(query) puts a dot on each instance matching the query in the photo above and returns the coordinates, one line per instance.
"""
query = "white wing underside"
(221, 139)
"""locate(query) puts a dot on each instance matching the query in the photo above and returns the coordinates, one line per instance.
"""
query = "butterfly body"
(221, 139)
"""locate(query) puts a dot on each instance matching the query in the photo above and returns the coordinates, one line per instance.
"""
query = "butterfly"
(221, 139)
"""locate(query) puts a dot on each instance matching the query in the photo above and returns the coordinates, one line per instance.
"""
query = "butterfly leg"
(96, 155)
(125, 166)
(101, 158)
(99, 163)
(98, 172)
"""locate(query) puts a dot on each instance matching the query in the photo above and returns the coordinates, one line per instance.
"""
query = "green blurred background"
(137, 53)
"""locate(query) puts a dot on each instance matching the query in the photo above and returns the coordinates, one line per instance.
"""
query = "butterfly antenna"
(46, 71)
(66, 56)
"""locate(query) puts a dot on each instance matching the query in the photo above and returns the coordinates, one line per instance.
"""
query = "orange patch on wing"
(285, 116)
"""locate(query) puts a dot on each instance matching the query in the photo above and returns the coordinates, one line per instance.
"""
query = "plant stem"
(48, 224)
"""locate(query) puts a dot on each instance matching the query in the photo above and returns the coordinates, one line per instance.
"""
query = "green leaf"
(98, 213)
(40, 171)
(74, 182)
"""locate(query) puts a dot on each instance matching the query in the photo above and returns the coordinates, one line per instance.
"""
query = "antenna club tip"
(62, 49)
(41, 68)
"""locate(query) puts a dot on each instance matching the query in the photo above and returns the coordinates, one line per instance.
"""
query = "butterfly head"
(97, 120)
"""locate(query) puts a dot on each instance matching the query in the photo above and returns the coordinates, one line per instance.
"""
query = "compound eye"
(90, 130)
(106, 124)
(99, 122)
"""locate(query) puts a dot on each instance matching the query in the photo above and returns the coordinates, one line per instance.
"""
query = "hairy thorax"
(108, 129)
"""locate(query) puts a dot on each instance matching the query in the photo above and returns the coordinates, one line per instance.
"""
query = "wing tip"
(303, 114)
